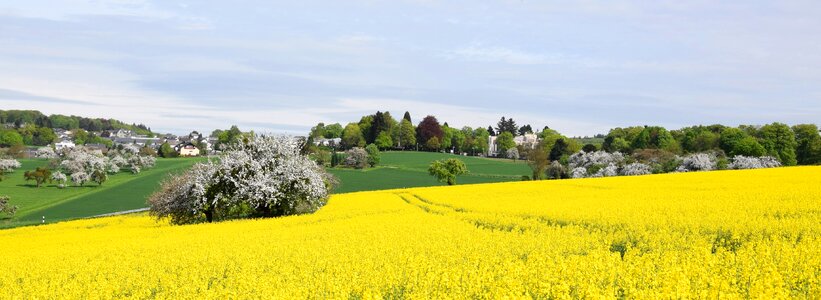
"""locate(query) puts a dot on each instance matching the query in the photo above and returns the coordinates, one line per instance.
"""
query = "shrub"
(59, 178)
(79, 178)
(556, 171)
(373, 155)
(636, 169)
(743, 162)
(607, 171)
(356, 158)
(589, 159)
(698, 162)
(578, 172)
(512, 153)
(6, 207)
(45, 152)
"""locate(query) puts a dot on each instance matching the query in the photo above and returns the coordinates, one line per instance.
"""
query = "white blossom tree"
(265, 174)
(578, 172)
(610, 170)
(356, 158)
(512, 153)
(80, 178)
(698, 162)
(45, 152)
(596, 158)
(9, 165)
(745, 162)
(59, 178)
(636, 169)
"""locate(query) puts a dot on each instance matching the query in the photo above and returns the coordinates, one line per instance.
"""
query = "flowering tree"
(512, 153)
(589, 159)
(698, 162)
(263, 176)
(745, 162)
(636, 169)
(607, 171)
(80, 178)
(8, 165)
(60, 178)
(356, 158)
(578, 172)
(45, 152)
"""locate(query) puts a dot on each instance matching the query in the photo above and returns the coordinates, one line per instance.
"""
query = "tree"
(356, 158)
(559, 148)
(80, 137)
(538, 161)
(384, 140)
(512, 153)
(734, 141)
(99, 176)
(808, 141)
(778, 140)
(507, 126)
(373, 155)
(505, 141)
(654, 137)
(481, 138)
(8, 166)
(39, 175)
(6, 207)
(589, 148)
(352, 136)
(525, 129)
(407, 134)
(447, 170)
(167, 151)
(317, 131)
(263, 176)
(407, 117)
(333, 131)
(10, 138)
(365, 125)
(430, 128)
(433, 144)
(490, 131)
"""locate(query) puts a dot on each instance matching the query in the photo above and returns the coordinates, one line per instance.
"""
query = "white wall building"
(64, 144)
(529, 140)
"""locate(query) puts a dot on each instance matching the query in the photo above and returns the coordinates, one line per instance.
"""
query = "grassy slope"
(123, 191)
(409, 169)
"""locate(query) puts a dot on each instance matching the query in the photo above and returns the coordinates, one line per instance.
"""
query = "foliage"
(808, 144)
(373, 155)
(167, 151)
(407, 134)
(352, 136)
(59, 178)
(427, 129)
(433, 144)
(39, 175)
(512, 153)
(743, 162)
(556, 171)
(508, 126)
(588, 159)
(80, 178)
(384, 140)
(356, 158)
(6, 207)
(10, 138)
(589, 148)
(263, 176)
(504, 141)
(446, 170)
(779, 141)
(560, 148)
(698, 162)
(636, 168)
(45, 153)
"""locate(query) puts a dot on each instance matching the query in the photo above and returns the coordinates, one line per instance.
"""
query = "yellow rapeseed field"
(724, 234)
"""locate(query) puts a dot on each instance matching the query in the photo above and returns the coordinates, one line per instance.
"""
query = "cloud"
(501, 54)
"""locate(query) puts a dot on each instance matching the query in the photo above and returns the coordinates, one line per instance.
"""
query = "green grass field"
(410, 169)
(123, 191)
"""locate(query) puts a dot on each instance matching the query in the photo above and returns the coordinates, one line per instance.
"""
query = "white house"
(529, 140)
(188, 149)
(64, 144)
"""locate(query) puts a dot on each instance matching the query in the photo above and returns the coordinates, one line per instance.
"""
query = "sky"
(581, 67)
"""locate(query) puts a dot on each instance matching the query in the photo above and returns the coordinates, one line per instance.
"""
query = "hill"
(123, 191)
(728, 234)
(404, 169)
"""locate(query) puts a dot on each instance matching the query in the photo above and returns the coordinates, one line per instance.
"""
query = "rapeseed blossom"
(723, 234)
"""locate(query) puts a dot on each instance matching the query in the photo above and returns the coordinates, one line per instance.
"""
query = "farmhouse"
(187, 149)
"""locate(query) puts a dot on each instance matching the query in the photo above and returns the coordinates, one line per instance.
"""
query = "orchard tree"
(6, 207)
(447, 170)
(39, 175)
(264, 176)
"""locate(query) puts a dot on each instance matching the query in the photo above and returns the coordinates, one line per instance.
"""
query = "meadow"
(723, 234)
(122, 191)
(406, 169)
